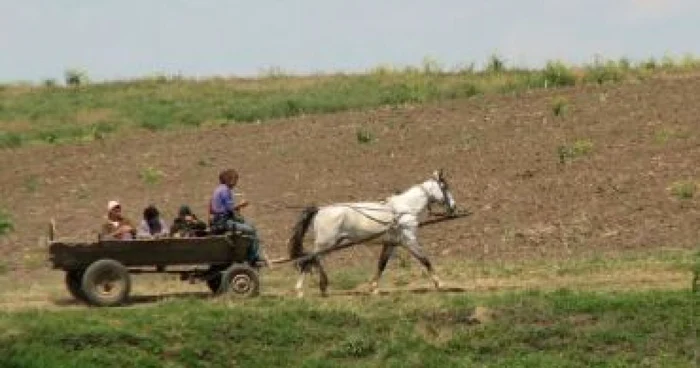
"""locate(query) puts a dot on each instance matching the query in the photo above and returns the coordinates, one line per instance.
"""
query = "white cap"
(112, 204)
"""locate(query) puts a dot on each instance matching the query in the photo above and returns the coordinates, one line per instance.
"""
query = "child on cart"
(225, 216)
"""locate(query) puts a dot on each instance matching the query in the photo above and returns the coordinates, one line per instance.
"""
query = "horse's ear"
(440, 174)
(437, 174)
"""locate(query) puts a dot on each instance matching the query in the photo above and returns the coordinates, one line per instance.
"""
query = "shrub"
(558, 74)
(401, 93)
(364, 136)
(559, 106)
(75, 77)
(572, 151)
(431, 66)
(684, 189)
(496, 64)
(11, 140)
(601, 72)
(6, 224)
(151, 175)
(649, 64)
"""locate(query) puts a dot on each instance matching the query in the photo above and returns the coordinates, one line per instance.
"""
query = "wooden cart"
(99, 272)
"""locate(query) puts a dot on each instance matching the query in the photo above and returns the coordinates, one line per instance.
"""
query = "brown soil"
(501, 154)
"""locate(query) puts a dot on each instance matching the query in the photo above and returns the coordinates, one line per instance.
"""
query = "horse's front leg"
(410, 241)
(387, 250)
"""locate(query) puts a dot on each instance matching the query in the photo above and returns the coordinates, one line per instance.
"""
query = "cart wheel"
(241, 281)
(73, 280)
(106, 283)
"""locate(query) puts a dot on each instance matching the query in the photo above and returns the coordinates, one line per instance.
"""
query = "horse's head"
(439, 191)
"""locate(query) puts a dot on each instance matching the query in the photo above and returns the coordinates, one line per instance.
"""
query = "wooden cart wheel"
(240, 281)
(106, 283)
(74, 279)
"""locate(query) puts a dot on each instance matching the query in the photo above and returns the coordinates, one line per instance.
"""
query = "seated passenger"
(152, 226)
(117, 226)
(186, 224)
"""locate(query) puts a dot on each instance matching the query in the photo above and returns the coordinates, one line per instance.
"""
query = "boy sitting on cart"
(225, 216)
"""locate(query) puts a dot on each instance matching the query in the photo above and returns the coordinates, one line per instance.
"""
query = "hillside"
(587, 169)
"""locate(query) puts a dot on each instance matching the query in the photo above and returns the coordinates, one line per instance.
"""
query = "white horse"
(341, 225)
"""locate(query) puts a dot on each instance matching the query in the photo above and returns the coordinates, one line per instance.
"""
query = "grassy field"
(81, 111)
(627, 311)
(524, 329)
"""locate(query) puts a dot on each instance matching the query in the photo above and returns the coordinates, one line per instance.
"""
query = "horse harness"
(396, 215)
(390, 224)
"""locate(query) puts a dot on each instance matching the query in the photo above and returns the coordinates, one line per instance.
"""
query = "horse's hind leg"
(303, 270)
(387, 250)
(323, 278)
(414, 247)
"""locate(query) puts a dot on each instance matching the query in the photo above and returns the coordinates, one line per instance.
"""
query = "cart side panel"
(167, 251)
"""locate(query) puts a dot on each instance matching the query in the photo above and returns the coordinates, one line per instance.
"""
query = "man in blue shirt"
(225, 216)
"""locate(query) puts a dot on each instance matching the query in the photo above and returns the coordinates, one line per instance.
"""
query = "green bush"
(684, 189)
(11, 140)
(6, 224)
(558, 74)
(496, 64)
(75, 77)
(560, 106)
(151, 175)
(364, 136)
(574, 150)
(603, 72)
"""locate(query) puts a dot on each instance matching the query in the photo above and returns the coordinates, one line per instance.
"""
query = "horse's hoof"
(375, 291)
(300, 294)
(324, 294)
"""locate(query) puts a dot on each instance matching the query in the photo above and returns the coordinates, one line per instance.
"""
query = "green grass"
(530, 329)
(6, 224)
(364, 136)
(574, 150)
(82, 111)
(695, 284)
(684, 189)
(560, 106)
(151, 176)
(31, 183)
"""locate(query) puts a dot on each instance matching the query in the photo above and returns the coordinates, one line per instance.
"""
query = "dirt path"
(45, 290)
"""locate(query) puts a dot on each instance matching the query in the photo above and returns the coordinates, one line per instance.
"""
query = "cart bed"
(218, 249)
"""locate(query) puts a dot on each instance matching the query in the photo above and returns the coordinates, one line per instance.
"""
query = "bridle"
(442, 184)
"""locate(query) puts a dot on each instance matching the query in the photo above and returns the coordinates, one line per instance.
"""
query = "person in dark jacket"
(186, 224)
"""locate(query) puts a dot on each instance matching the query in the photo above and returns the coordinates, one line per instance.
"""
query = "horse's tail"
(296, 242)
